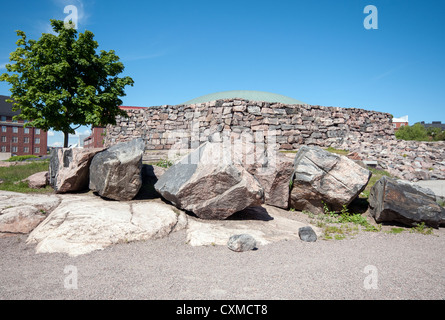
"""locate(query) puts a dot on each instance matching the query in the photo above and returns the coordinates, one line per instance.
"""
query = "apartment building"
(16, 139)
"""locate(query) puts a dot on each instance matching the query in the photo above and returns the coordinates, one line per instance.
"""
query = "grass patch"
(164, 163)
(421, 228)
(396, 230)
(338, 151)
(376, 175)
(339, 225)
(12, 176)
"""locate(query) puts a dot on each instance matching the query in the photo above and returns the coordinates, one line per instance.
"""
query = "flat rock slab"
(20, 213)
(84, 223)
(266, 224)
(78, 224)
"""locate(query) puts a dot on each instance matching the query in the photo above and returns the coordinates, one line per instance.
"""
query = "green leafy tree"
(440, 136)
(436, 134)
(414, 132)
(61, 82)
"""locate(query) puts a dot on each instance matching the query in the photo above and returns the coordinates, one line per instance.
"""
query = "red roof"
(127, 107)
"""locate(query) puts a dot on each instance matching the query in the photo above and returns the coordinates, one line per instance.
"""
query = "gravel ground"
(402, 266)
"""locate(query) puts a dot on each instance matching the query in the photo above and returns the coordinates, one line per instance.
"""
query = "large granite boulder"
(393, 200)
(115, 173)
(268, 165)
(322, 177)
(209, 183)
(274, 175)
(69, 168)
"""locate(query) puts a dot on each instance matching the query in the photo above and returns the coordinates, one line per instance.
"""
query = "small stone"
(38, 180)
(307, 234)
(241, 242)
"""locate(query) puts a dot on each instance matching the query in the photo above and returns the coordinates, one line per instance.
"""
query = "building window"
(3, 149)
(26, 149)
(3, 128)
(37, 131)
(14, 149)
(26, 139)
(26, 130)
(36, 150)
(15, 139)
(15, 121)
(15, 129)
(3, 139)
(37, 140)
(3, 118)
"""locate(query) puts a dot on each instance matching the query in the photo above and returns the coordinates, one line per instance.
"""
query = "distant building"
(14, 138)
(434, 124)
(399, 122)
(96, 139)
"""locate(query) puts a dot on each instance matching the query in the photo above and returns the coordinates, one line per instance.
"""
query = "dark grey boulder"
(241, 242)
(393, 200)
(307, 234)
(115, 173)
(53, 166)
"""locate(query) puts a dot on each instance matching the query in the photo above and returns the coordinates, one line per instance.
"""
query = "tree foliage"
(61, 82)
(420, 133)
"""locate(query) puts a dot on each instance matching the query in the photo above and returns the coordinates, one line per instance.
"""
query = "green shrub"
(421, 228)
(420, 133)
(21, 158)
(415, 132)
(164, 163)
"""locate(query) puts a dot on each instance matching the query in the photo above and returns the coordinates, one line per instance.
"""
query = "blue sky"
(315, 51)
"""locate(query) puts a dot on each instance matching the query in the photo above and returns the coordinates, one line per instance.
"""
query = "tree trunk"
(65, 141)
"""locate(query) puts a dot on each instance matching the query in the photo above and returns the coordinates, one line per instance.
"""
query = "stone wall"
(175, 130)
(409, 160)
(186, 126)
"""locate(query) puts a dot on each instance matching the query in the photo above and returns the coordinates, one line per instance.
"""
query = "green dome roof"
(247, 95)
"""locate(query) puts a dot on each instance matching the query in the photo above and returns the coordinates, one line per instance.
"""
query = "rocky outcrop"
(267, 224)
(82, 224)
(115, 173)
(21, 213)
(69, 168)
(321, 177)
(393, 200)
(210, 184)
